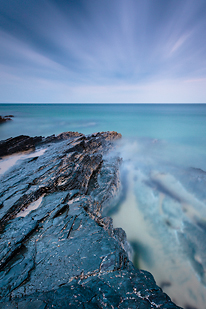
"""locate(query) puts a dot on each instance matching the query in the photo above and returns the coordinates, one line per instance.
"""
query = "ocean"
(163, 202)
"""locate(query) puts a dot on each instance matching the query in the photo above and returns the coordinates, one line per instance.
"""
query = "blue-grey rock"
(65, 254)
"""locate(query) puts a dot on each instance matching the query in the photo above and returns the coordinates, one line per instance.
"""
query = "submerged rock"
(5, 118)
(64, 253)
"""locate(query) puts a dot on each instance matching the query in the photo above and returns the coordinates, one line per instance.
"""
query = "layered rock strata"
(63, 253)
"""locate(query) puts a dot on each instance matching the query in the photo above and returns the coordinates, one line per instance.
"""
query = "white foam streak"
(192, 206)
(165, 218)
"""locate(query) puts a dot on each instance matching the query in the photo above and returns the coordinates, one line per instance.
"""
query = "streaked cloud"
(81, 49)
(178, 44)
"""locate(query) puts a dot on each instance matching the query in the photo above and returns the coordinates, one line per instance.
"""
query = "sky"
(103, 51)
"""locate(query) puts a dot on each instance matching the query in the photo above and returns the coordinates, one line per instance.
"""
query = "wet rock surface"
(25, 142)
(64, 254)
(17, 144)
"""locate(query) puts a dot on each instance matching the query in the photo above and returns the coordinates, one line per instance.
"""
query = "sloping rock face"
(64, 254)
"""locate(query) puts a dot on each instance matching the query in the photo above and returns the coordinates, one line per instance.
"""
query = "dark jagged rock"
(24, 142)
(17, 144)
(5, 118)
(64, 254)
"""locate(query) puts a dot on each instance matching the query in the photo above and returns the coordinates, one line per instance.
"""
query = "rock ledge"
(56, 250)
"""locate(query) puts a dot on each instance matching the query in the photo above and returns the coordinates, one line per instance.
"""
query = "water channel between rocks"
(164, 222)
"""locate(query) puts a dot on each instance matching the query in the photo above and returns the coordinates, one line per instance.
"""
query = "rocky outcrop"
(5, 118)
(17, 144)
(64, 254)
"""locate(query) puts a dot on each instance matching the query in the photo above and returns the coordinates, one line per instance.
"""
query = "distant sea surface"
(163, 202)
(183, 123)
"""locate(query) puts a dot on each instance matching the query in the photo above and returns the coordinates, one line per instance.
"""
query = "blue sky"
(103, 51)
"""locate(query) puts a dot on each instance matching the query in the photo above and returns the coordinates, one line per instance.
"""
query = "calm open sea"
(163, 204)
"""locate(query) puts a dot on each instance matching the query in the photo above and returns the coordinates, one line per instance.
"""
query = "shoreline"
(68, 252)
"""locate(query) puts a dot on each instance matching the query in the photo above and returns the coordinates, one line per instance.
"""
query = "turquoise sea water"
(163, 204)
(183, 123)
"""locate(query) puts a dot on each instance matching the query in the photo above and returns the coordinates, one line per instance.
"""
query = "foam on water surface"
(164, 219)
